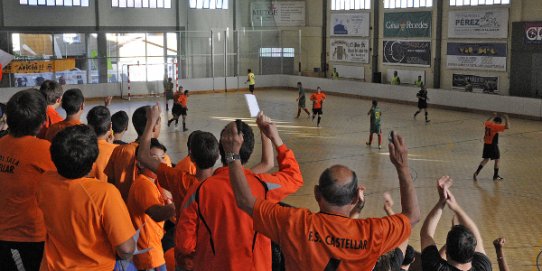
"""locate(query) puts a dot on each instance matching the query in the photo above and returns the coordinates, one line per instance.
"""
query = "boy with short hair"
(99, 119)
(52, 92)
(73, 102)
(119, 124)
(22, 229)
(93, 226)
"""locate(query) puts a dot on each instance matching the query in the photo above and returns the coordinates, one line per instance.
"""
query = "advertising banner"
(476, 56)
(277, 13)
(460, 81)
(533, 33)
(350, 24)
(407, 52)
(350, 50)
(407, 24)
(491, 24)
(19, 66)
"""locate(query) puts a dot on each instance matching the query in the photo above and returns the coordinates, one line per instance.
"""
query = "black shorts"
(422, 104)
(169, 95)
(317, 111)
(491, 151)
(178, 110)
(251, 88)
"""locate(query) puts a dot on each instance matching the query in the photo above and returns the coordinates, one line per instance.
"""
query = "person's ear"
(317, 193)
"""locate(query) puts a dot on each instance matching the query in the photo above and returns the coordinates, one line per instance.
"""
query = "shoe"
(427, 121)
(379, 147)
(176, 124)
(497, 178)
(313, 117)
(474, 177)
(168, 123)
(415, 115)
(367, 143)
(184, 129)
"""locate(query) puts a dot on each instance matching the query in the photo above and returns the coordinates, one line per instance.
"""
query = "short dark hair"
(204, 149)
(119, 121)
(156, 144)
(2, 109)
(335, 194)
(72, 100)
(460, 244)
(409, 255)
(190, 137)
(51, 91)
(139, 120)
(497, 119)
(186, 92)
(249, 70)
(26, 112)
(74, 150)
(387, 262)
(246, 148)
(375, 102)
(299, 83)
(99, 119)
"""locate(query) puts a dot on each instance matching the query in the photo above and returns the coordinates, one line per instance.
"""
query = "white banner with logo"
(491, 24)
(349, 50)
(350, 24)
(291, 13)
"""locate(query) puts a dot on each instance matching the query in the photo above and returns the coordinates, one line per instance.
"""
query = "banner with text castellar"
(39, 66)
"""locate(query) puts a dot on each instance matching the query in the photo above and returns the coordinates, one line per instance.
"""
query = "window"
(408, 3)
(277, 52)
(209, 4)
(350, 4)
(55, 3)
(141, 3)
(459, 3)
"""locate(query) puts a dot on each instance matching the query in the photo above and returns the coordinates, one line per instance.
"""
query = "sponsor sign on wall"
(277, 13)
(38, 66)
(407, 24)
(491, 24)
(350, 50)
(533, 33)
(407, 52)
(350, 24)
(477, 56)
(478, 82)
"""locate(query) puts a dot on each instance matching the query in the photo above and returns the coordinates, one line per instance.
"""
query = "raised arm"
(499, 243)
(268, 161)
(427, 233)
(388, 208)
(465, 220)
(144, 150)
(399, 157)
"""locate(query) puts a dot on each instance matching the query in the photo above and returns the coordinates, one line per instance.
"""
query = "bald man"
(331, 238)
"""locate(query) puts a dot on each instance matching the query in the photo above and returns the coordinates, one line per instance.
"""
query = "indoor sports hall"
(474, 57)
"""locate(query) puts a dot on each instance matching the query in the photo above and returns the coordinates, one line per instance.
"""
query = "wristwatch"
(230, 157)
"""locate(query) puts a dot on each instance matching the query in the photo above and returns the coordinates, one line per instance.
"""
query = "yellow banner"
(20, 66)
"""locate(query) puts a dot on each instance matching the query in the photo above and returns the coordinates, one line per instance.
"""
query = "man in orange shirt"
(99, 119)
(220, 235)
(73, 102)
(24, 159)
(330, 239)
(121, 168)
(149, 209)
(52, 91)
(119, 125)
(317, 104)
(493, 126)
(179, 108)
(92, 226)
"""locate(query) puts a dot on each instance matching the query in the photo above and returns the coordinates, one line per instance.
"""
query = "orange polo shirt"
(86, 220)
(144, 194)
(321, 241)
(52, 117)
(182, 100)
(105, 150)
(177, 182)
(317, 100)
(23, 160)
(186, 165)
(492, 129)
(59, 126)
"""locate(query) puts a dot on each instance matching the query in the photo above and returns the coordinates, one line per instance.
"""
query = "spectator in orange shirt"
(219, 234)
(493, 126)
(149, 209)
(317, 104)
(25, 159)
(119, 125)
(52, 91)
(73, 102)
(121, 168)
(93, 226)
(179, 108)
(99, 119)
(330, 239)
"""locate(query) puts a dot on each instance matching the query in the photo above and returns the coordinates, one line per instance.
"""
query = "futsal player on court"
(493, 126)
(375, 114)
(422, 103)
(180, 108)
(317, 104)
(251, 80)
(301, 100)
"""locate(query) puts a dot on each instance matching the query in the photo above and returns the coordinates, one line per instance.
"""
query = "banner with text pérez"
(476, 56)
(492, 24)
(350, 50)
(407, 24)
(407, 53)
(284, 13)
(533, 33)
(350, 24)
